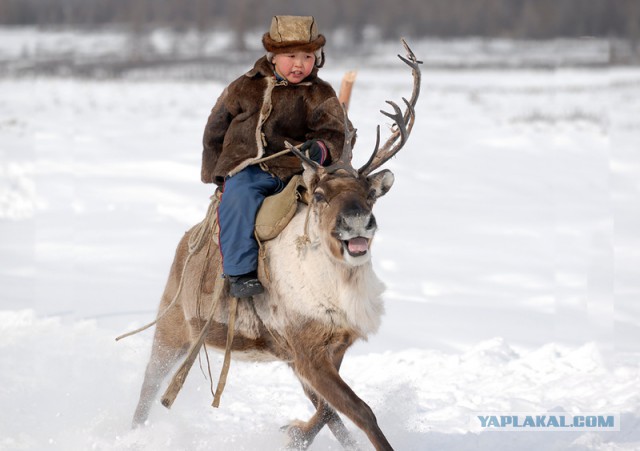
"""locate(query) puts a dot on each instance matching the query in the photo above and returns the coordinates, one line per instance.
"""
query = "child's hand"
(316, 150)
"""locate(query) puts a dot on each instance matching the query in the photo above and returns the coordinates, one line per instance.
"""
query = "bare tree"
(504, 18)
(633, 28)
(138, 19)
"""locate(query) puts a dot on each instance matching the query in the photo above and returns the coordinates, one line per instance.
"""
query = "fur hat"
(294, 34)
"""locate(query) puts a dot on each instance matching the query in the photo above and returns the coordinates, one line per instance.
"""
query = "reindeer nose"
(357, 222)
(355, 208)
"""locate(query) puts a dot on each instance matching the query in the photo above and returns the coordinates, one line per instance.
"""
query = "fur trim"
(320, 57)
(265, 111)
(274, 46)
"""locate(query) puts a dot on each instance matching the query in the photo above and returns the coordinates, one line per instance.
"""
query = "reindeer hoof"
(298, 438)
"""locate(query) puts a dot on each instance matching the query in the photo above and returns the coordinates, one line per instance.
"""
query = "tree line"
(530, 19)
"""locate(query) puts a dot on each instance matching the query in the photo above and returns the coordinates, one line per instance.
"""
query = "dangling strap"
(303, 239)
(179, 377)
(222, 380)
(196, 241)
(262, 254)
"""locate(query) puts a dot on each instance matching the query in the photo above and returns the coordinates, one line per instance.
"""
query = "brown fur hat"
(293, 33)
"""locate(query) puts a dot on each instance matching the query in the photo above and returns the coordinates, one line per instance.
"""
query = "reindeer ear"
(380, 183)
(310, 175)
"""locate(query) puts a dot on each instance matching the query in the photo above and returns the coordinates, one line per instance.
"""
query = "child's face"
(295, 66)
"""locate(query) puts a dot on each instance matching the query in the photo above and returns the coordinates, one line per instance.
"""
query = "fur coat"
(254, 116)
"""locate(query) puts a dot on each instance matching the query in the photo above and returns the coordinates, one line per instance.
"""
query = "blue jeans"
(242, 197)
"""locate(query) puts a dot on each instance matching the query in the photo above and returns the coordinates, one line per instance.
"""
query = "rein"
(270, 157)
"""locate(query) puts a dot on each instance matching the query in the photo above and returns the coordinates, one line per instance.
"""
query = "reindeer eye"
(319, 197)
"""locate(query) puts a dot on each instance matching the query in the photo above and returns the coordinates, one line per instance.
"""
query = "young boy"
(280, 99)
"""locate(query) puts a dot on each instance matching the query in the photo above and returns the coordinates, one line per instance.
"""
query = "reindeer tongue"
(358, 245)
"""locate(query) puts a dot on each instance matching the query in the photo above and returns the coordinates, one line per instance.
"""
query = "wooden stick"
(222, 380)
(177, 381)
(345, 88)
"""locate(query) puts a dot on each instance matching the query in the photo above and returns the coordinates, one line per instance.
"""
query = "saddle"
(277, 210)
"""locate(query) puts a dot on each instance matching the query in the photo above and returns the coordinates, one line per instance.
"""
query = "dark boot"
(245, 286)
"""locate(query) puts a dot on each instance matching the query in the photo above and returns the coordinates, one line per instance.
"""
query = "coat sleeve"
(327, 123)
(213, 139)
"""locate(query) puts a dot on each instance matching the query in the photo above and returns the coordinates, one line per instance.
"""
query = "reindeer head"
(342, 197)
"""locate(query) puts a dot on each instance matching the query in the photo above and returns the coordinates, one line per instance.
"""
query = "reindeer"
(321, 294)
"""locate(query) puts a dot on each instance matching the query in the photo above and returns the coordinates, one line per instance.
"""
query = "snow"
(508, 244)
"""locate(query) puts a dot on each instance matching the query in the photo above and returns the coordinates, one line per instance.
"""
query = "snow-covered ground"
(509, 245)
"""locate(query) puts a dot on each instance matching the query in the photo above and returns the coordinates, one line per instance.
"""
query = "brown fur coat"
(254, 116)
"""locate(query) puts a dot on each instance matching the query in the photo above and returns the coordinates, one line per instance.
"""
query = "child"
(280, 99)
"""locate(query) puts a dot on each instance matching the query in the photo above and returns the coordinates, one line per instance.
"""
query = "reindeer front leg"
(303, 433)
(322, 376)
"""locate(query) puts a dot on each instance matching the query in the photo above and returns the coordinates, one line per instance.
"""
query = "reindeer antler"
(344, 162)
(403, 122)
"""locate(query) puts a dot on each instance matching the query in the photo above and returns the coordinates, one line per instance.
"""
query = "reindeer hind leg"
(163, 359)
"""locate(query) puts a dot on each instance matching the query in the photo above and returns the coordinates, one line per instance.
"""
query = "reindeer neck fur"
(309, 283)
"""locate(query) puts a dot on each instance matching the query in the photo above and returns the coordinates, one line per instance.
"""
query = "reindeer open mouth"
(356, 247)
